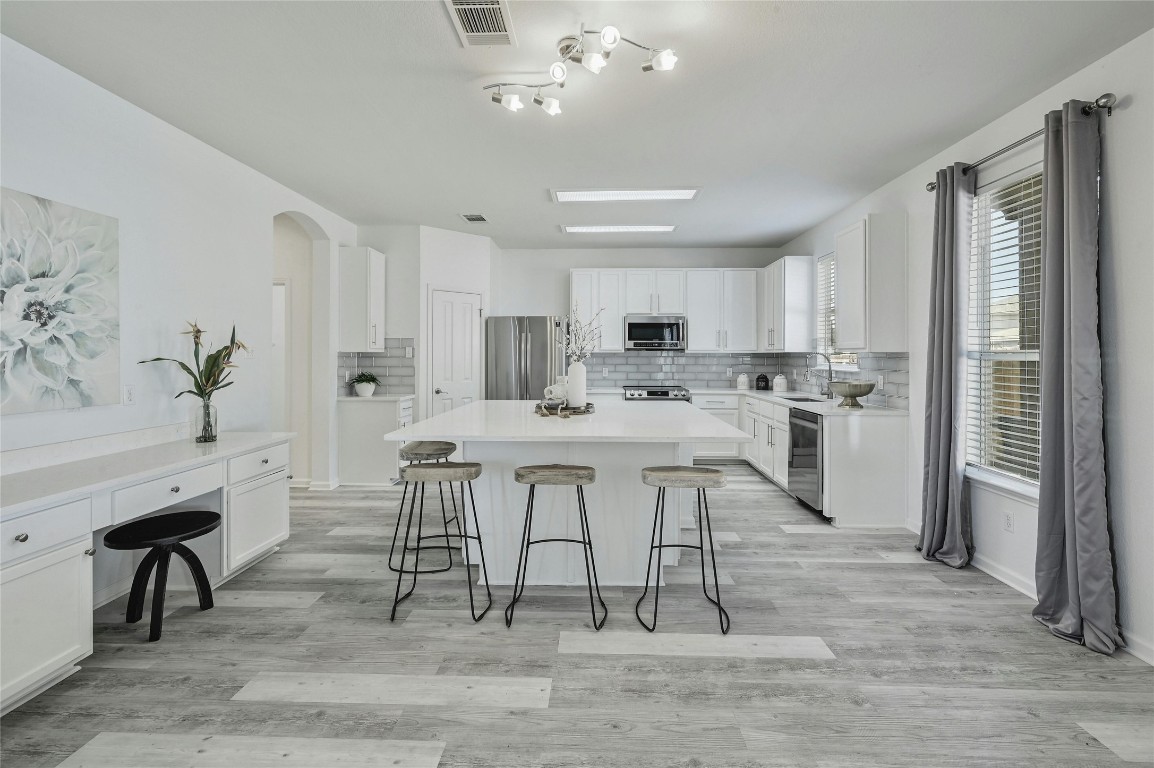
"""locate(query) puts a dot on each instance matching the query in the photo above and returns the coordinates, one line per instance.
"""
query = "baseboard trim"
(303, 482)
(41, 687)
(1005, 576)
(322, 485)
(370, 485)
(1139, 647)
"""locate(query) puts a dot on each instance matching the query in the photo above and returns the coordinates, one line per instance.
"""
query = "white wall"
(1127, 321)
(293, 263)
(196, 238)
(536, 282)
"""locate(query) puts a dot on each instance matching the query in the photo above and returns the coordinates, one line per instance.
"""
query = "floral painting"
(59, 306)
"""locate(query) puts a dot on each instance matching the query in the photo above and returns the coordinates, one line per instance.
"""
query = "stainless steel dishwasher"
(805, 452)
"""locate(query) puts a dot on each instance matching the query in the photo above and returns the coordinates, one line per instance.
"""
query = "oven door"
(655, 332)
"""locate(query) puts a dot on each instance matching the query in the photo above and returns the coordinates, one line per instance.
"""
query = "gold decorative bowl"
(850, 391)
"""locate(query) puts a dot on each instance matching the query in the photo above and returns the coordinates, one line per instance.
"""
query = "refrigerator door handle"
(525, 366)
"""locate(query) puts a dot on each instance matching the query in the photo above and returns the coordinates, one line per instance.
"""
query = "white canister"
(743, 381)
(780, 384)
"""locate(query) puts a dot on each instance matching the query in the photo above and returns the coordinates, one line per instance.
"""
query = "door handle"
(374, 327)
(719, 339)
(439, 391)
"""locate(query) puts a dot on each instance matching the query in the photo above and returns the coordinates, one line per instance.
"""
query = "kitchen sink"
(802, 399)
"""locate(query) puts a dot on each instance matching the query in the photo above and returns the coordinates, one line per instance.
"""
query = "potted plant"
(578, 342)
(209, 375)
(365, 383)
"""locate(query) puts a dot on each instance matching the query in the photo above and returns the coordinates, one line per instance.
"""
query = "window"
(826, 316)
(1002, 385)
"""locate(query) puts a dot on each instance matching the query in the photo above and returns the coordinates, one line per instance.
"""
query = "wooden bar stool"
(417, 452)
(163, 534)
(440, 472)
(699, 478)
(557, 474)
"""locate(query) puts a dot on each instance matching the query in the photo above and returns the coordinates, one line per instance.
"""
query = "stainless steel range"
(658, 393)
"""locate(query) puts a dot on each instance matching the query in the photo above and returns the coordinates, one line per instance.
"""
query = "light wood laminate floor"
(846, 650)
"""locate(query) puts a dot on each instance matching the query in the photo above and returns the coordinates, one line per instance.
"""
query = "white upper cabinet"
(703, 311)
(870, 308)
(593, 290)
(362, 300)
(739, 310)
(669, 285)
(785, 312)
(655, 291)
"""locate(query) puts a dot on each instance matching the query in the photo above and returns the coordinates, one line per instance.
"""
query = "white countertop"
(615, 421)
(377, 398)
(21, 492)
(825, 407)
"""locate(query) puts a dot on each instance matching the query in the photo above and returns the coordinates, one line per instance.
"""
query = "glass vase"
(204, 424)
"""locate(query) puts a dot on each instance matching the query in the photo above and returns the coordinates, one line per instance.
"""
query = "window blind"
(826, 295)
(1002, 380)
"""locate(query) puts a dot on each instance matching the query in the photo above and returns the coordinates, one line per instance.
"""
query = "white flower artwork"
(59, 306)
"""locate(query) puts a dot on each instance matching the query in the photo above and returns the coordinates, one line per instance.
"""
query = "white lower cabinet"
(363, 457)
(724, 407)
(257, 519)
(46, 621)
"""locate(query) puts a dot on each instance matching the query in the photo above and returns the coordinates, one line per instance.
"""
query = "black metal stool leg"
(397, 597)
(590, 563)
(140, 585)
(158, 590)
(397, 529)
(656, 541)
(480, 549)
(703, 523)
(199, 577)
(522, 559)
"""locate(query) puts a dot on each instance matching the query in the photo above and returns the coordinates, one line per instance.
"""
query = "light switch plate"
(408, 351)
(604, 373)
(729, 373)
(129, 394)
(881, 382)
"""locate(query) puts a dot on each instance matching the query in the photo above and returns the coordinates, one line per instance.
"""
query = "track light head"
(547, 103)
(558, 71)
(594, 62)
(610, 37)
(662, 61)
(509, 101)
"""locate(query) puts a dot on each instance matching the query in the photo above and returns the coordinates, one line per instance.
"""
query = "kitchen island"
(618, 440)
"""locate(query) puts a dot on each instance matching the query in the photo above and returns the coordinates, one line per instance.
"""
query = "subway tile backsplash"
(618, 369)
(395, 366)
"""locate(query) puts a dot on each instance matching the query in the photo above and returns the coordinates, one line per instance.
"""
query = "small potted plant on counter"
(365, 383)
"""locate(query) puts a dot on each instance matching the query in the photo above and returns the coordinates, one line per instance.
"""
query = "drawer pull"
(91, 552)
(290, 477)
(21, 537)
(175, 489)
(264, 461)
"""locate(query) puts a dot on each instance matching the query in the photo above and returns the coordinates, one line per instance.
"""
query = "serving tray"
(562, 409)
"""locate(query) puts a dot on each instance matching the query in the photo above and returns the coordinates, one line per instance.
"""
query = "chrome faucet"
(828, 393)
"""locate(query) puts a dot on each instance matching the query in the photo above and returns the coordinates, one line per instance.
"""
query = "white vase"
(365, 388)
(575, 390)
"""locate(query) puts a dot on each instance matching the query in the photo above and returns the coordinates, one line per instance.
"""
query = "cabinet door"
(669, 286)
(640, 292)
(719, 450)
(852, 307)
(583, 293)
(703, 311)
(780, 472)
(739, 310)
(45, 617)
(376, 279)
(257, 518)
(610, 296)
(776, 306)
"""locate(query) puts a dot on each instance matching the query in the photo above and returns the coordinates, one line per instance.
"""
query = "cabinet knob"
(21, 537)
(175, 489)
(290, 477)
(264, 461)
(91, 552)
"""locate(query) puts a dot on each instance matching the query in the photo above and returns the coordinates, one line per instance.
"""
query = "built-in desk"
(54, 568)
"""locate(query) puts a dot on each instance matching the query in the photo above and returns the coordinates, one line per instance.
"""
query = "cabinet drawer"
(44, 530)
(716, 402)
(752, 407)
(257, 463)
(781, 414)
(129, 503)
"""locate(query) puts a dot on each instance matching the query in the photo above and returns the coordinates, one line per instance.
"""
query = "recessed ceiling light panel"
(587, 229)
(620, 195)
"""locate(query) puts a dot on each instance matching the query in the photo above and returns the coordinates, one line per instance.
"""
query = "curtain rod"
(1106, 101)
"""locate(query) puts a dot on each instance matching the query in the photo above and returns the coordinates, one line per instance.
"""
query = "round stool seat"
(445, 472)
(427, 450)
(683, 477)
(162, 530)
(555, 474)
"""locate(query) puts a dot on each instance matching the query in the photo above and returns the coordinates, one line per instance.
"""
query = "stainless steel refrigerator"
(523, 356)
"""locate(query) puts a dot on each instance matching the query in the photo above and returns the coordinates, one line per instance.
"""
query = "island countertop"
(615, 421)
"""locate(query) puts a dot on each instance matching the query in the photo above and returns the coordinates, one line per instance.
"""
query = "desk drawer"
(137, 500)
(257, 463)
(715, 402)
(43, 530)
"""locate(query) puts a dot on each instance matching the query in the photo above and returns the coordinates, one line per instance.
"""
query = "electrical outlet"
(881, 382)
(408, 351)
(348, 376)
(729, 373)
(794, 376)
(130, 394)
(1008, 522)
(604, 373)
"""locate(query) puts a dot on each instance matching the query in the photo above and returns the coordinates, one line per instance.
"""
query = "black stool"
(699, 478)
(419, 452)
(441, 472)
(557, 474)
(163, 534)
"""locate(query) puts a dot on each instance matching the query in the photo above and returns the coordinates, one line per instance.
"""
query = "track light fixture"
(572, 48)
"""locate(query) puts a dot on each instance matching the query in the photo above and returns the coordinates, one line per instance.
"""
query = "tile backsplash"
(395, 366)
(617, 369)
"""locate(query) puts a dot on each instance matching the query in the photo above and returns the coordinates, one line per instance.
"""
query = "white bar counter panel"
(52, 521)
(618, 440)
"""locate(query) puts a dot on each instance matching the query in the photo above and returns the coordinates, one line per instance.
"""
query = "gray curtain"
(945, 504)
(1074, 567)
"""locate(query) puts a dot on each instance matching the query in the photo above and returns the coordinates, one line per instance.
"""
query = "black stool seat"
(162, 530)
(162, 535)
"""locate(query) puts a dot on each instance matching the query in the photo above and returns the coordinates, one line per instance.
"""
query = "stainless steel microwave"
(665, 332)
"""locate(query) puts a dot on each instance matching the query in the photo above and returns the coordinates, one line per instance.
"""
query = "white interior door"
(455, 378)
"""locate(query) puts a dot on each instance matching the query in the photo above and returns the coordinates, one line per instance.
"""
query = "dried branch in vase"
(581, 338)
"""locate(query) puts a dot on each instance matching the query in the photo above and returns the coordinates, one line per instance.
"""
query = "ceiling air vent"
(473, 217)
(482, 22)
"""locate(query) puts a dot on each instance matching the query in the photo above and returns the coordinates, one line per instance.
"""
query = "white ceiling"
(781, 112)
